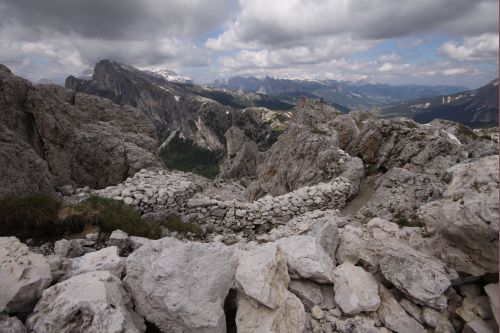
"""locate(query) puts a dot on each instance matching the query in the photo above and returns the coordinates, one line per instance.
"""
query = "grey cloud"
(117, 19)
(295, 22)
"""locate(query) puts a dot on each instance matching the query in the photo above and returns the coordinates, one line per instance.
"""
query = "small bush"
(109, 215)
(174, 223)
(464, 130)
(32, 216)
(279, 128)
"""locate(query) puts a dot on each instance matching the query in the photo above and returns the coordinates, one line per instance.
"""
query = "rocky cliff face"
(193, 114)
(53, 137)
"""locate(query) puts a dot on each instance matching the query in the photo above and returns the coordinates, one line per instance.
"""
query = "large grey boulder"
(262, 274)
(307, 258)
(307, 291)
(394, 317)
(356, 290)
(492, 292)
(422, 278)
(68, 248)
(106, 259)
(92, 302)
(288, 317)
(23, 275)
(11, 324)
(264, 303)
(179, 286)
(467, 218)
(400, 192)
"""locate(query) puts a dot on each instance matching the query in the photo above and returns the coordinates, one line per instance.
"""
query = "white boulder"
(307, 258)
(92, 302)
(181, 286)
(106, 259)
(355, 289)
(23, 276)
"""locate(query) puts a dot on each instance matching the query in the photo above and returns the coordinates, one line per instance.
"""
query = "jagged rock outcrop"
(466, 219)
(399, 193)
(92, 302)
(181, 286)
(307, 153)
(23, 275)
(242, 156)
(54, 137)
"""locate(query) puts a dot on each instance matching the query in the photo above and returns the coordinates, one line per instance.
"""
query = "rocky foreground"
(316, 271)
(346, 224)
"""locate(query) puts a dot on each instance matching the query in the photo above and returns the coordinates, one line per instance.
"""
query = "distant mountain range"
(338, 93)
(472, 107)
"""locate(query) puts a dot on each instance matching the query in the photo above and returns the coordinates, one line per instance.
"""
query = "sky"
(452, 42)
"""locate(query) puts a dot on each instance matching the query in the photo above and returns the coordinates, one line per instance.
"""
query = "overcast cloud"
(394, 41)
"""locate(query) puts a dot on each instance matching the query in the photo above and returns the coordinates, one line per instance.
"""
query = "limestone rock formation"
(264, 303)
(242, 156)
(307, 258)
(53, 137)
(23, 275)
(181, 286)
(92, 302)
(394, 317)
(467, 218)
(307, 153)
(355, 289)
(11, 324)
(106, 259)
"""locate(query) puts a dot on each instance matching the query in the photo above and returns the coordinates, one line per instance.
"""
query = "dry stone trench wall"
(153, 191)
(268, 211)
(161, 191)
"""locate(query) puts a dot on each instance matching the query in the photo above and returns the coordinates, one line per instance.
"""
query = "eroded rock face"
(420, 277)
(356, 290)
(92, 302)
(467, 218)
(384, 144)
(57, 137)
(24, 276)
(399, 194)
(181, 286)
(242, 156)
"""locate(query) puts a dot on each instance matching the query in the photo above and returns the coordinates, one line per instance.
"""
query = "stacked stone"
(268, 211)
(152, 191)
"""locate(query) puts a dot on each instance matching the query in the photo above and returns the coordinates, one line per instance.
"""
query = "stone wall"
(181, 193)
(154, 191)
(268, 211)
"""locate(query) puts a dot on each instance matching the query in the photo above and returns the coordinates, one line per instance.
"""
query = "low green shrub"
(41, 216)
(109, 215)
(174, 223)
(32, 216)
